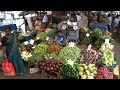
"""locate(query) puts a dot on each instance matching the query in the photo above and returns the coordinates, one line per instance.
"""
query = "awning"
(26, 13)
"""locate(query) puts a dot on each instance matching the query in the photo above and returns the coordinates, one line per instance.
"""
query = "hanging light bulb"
(64, 27)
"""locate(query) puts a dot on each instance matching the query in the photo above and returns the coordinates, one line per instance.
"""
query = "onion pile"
(50, 65)
(89, 56)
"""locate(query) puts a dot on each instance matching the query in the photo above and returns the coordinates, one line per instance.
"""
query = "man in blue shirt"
(61, 39)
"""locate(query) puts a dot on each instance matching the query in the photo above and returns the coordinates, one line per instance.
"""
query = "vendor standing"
(38, 25)
(26, 24)
(61, 39)
(45, 20)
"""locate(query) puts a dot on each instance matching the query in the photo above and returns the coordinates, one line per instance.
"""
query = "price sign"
(106, 41)
(31, 41)
(87, 35)
(71, 44)
(89, 47)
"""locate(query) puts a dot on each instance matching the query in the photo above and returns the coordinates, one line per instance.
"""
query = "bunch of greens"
(42, 35)
(51, 33)
(41, 48)
(35, 58)
(47, 56)
(96, 33)
(108, 57)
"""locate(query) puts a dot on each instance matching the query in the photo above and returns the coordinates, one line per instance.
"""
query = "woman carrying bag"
(11, 50)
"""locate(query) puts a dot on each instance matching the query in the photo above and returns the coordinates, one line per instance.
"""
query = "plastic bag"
(8, 69)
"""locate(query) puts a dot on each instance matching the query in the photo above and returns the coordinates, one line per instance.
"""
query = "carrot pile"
(54, 49)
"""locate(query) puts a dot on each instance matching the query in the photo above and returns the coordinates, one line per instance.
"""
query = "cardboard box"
(34, 70)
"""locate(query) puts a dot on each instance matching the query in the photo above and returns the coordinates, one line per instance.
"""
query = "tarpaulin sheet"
(13, 27)
(102, 27)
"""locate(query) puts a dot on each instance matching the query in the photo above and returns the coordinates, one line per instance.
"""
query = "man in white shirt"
(110, 22)
(45, 20)
(82, 20)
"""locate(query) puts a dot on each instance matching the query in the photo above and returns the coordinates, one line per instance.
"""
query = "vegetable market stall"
(73, 62)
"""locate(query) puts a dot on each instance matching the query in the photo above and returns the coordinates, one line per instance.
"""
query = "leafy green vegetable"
(108, 57)
(86, 40)
(34, 60)
(42, 35)
(96, 33)
(51, 33)
(41, 48)
(72, 53)
(50, 55)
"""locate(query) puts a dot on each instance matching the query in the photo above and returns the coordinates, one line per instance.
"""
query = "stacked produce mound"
(54, 49)
(104, 73)
(51, 33)
(67, 53)
(33, 61)
(107, 46)
(89, 56)
(25, 55)
(47, 56)
(42, 35)
(50, 65)
(87, 71)
(70, 70)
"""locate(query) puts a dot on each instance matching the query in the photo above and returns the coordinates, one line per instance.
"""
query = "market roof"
(26, 13)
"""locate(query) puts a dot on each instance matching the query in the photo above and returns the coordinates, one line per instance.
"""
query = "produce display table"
(13, 27)
(102, 27)
(57, 74)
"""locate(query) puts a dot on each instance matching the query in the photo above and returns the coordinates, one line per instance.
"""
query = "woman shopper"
(11, 50)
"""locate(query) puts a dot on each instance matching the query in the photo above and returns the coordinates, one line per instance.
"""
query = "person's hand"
(22, 49)
(5, 57)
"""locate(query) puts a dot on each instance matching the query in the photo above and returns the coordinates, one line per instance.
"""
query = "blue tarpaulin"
(27, 38)
(102, 27)
(13, 27)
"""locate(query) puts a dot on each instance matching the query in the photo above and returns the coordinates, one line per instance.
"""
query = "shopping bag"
(8, 69)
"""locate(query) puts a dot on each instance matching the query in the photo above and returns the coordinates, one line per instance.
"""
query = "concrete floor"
(28, 75)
